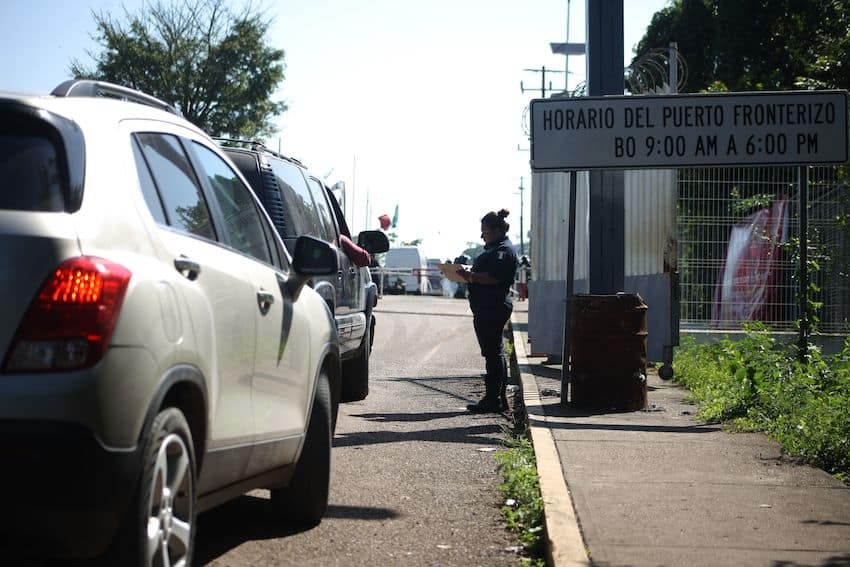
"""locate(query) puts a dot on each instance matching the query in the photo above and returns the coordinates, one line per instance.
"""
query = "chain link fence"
(738, 247)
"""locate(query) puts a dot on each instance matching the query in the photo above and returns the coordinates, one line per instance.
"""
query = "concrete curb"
(564, 544)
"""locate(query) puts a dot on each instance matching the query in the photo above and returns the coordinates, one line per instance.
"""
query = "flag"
(395, 217)
(385, 221)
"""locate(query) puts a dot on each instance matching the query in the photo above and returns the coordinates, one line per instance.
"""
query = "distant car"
(407, 270)
(299, 204)
(435, 277)
(160, 350)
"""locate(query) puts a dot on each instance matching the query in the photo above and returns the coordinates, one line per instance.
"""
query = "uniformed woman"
(489, 283)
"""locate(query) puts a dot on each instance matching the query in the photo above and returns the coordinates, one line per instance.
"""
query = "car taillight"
(70, 322)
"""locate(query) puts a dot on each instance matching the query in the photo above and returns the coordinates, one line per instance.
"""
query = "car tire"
(305, 499)
(355, 371)
(160, 525)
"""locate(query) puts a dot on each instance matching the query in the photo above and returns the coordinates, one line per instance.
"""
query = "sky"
(411, 103)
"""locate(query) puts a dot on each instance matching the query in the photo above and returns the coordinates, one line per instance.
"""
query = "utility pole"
(521, 215)
(543, 70)
(606, 236)
(566, 49)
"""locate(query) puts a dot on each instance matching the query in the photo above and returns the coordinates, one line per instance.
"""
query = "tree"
(209, 61)
(745, 45)
(829, 68)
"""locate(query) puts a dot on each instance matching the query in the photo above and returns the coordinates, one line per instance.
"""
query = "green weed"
(756, 384)
(523, 504)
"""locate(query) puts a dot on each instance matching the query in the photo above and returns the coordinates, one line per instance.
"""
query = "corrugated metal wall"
(550, 204)
(650, 204)
(650, 251)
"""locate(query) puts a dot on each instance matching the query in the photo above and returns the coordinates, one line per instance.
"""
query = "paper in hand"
(450, 271)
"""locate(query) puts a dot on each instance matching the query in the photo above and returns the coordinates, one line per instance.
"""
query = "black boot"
(486, 405)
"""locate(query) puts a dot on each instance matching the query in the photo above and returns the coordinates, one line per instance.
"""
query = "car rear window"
(300, 211)
(30, 175)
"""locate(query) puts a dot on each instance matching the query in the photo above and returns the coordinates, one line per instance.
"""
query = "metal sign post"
(571, 255)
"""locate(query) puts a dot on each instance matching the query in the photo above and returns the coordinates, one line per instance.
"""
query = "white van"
(406, 269)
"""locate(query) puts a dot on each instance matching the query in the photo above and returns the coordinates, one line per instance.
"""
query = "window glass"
(148, 186)
(30, 178)
(340, 218)
(185, 207)
(241, 217)
(322, 207)
(300, 211)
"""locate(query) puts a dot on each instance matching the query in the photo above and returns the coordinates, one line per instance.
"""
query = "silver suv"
(160, 351)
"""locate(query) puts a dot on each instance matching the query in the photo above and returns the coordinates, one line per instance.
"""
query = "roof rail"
(255, 145)
(85, 87)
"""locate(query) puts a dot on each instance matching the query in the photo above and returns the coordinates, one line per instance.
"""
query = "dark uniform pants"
(488, 329)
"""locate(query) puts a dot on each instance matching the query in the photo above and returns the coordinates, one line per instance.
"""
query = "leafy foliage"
(758, 384)
(211, 62)
(742, 45)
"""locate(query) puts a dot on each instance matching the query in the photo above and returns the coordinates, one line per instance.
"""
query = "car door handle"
(188, 269)
(264, 301)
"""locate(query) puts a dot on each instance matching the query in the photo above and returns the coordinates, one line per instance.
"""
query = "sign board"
(693, 130)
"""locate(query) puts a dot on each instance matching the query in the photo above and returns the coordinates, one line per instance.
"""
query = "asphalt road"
(414, 479)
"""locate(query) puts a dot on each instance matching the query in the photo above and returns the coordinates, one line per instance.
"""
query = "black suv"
(299, 204)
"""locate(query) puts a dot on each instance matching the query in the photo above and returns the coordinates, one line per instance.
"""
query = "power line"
(542, 90)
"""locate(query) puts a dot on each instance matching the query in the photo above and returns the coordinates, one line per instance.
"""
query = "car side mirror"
(311, 257)
(314, 257)
(373, 241)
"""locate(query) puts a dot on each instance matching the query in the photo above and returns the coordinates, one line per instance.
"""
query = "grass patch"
(523, 505)
(755, 384)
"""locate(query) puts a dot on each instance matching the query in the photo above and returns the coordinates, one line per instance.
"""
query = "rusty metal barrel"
(608, 351)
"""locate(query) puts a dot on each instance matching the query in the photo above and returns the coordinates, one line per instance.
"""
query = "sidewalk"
(657, 487)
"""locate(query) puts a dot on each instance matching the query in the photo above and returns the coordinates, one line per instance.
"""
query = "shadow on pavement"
(228, 526)
(489, 434)
(541, 371)
(422, 383)
(628, 427)
(409, 417)
(251, 518)
(836, 561)
(360, 513)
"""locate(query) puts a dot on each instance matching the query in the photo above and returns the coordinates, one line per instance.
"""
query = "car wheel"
(305, 500)
(355, 372)
(160, 526)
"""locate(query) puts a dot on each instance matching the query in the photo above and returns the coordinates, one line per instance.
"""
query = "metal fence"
(738, 247)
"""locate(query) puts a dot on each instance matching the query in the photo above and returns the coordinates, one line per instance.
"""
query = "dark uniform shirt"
(498, 260)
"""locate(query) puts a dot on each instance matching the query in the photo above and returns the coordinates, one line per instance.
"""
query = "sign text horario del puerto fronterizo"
(670, 131)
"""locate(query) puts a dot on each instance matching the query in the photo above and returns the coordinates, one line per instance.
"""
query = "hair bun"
(503, 213)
